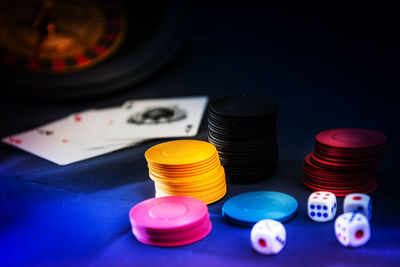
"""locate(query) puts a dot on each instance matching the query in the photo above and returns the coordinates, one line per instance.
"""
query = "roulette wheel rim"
(122, 69)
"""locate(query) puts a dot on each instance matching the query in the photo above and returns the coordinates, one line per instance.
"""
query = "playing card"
(65, 129)
(40, 143)
(157, 118)
(87, 128)
(92, 127)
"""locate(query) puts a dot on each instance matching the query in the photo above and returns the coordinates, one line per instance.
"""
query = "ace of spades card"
(158, 118)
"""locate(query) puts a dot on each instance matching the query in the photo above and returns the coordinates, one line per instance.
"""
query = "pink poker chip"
(175, 243)
(168, 213)
(171, 238)
(170, 221)
(171, 232)
(351, 138)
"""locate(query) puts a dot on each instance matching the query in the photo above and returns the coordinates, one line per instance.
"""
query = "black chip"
(243, 129)
(244, 105)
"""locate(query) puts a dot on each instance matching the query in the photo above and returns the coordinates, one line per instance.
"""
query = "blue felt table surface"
(77, 214)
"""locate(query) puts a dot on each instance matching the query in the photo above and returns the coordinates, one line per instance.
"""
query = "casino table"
(328, 68)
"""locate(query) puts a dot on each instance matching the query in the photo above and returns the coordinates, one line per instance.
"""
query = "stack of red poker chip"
(344, 161)
(170, 221)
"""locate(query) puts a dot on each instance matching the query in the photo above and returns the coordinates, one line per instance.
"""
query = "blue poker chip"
(238, 223)
(249, 208)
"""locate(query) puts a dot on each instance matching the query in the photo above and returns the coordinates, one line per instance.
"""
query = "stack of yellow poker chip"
(187, 168)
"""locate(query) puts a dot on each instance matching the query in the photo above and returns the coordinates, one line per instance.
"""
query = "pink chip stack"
(170, 221)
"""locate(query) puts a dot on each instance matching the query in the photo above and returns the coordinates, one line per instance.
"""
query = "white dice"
(321, 206)
(268, 237)
(352, 229)
(358, 203)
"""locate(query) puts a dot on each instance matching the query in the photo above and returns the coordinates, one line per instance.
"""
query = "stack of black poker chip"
(243, 129)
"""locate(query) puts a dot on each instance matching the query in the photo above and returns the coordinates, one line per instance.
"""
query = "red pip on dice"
(352, 227)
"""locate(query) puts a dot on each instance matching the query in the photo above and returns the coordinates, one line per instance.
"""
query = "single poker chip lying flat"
(249, 208)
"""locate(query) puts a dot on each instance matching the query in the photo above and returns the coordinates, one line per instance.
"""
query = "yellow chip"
(206, 198)
(184, 174)
(176, 167)
(216, 196)
(201, 182)
(199, 191)
(188, 168)
(207, 195)
(196, 178)
(180, 152)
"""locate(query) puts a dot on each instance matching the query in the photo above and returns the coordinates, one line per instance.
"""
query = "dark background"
(329, 66)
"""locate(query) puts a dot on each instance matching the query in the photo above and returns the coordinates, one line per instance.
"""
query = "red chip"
(344, 161)
(351, 138)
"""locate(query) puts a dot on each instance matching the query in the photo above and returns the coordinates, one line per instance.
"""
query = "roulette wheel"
(69, 49)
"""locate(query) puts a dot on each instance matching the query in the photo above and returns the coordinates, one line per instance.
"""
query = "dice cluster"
(352, 227)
